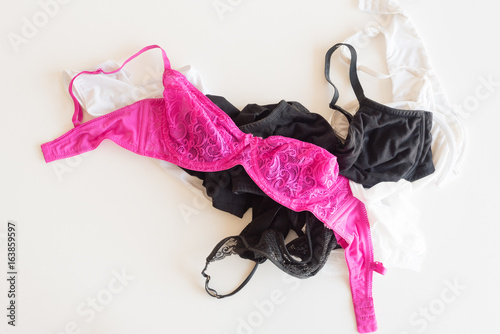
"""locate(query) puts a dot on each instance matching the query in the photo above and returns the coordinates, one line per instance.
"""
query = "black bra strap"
(353, 76)
(210, 258)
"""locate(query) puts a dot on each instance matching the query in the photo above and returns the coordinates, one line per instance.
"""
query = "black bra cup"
(383, 143)
(396, 145)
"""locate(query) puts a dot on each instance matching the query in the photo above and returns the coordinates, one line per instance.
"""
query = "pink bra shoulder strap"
(77, 116)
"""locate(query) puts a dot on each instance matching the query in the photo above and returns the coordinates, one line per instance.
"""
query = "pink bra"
(187, 129)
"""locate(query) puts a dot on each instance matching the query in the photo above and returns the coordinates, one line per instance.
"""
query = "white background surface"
(113, 211)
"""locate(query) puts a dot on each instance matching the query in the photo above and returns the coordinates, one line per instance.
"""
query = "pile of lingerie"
(290, 166)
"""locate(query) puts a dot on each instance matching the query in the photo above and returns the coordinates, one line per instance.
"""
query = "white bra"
(415, 85)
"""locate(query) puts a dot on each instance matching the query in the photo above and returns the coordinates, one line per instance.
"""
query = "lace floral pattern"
(296, 170)
(157, 122)
(200, 137)
(294, 173)
(227, 249)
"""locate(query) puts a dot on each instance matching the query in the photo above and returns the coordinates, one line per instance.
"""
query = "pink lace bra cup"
(187, 129)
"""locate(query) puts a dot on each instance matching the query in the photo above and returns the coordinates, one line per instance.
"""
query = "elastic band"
(353, 76)
(78, 115)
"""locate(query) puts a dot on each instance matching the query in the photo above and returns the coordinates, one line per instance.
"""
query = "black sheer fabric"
(383, 143)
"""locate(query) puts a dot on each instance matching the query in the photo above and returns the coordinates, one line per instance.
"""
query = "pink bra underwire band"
(188, 119)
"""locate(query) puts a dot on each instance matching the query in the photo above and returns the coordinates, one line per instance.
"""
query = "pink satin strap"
(78, 115)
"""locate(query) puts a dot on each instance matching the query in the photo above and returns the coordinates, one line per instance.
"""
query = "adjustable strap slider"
(214, 293)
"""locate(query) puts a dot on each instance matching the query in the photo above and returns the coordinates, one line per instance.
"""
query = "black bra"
(383, 143)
